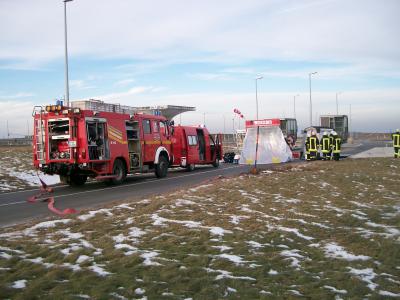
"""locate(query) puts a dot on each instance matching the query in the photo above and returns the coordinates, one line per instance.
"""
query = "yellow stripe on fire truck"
(156, 142)
(115, 135)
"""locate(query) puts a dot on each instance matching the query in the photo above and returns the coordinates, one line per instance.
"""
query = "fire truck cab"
(195, 146)
(77, 144)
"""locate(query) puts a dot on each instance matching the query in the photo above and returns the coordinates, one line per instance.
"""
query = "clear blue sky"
(205, 54)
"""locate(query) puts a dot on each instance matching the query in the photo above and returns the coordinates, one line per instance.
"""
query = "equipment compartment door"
(98, 147)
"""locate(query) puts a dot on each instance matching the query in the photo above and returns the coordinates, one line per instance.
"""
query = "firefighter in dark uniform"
(307, 146)
(331, 143)
(326, 146)
(336, 146)
(313, 145)
(396, 143)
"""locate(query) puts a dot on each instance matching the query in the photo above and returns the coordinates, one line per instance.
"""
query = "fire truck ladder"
(39, 134)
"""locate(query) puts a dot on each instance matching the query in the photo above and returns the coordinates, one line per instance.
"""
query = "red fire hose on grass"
(45, 195)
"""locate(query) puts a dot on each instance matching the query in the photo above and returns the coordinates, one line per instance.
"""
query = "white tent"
(272, 147)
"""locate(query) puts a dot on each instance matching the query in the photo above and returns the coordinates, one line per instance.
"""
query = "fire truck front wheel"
(216, 163)
(161, 169)
(190, 167)
(119, 170)
(73, 179)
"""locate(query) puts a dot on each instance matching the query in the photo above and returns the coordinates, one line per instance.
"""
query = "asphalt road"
(14, 208)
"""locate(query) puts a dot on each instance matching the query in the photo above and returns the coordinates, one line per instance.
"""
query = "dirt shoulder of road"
(319, 230)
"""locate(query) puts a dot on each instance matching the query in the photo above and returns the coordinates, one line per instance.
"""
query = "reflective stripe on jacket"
(337, 142)
(313, 143)
(326, 145)
(396, 139)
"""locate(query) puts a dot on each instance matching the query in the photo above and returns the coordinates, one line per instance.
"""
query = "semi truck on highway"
(77, 143)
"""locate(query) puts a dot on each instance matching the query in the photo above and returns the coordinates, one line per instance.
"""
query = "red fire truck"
(193, 145)
(77, 144)
(80, 143)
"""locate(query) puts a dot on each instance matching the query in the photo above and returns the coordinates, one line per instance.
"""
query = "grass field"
(322, 230)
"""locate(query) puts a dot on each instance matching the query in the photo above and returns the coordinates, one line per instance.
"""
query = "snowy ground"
(16, 170)
(322, 230)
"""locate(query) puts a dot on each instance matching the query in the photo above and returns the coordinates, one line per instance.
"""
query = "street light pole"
(258, 78)
(309, 77)
(294, 105)
(66, 53)
(337, 103)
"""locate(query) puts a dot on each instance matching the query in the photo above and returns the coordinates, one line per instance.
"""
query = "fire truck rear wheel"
(190, 167)
(161, 169)
(216, 163)
(119, 170)
(78, 180)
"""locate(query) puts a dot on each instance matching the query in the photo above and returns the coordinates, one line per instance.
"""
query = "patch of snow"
(272, 272)
(219, 231)
(136, 232)
(99, 270)
(45, 225)
(131, 249)
(294, 257)
(183, 202)
(83, 296)
(70, 235)
(331, 288)
(31, 178)
(201, 187)
(389, 294)
(147, 256)
(222, 248)
(74, 268)
(92, 213)
(129, 221)
(139, 291)
(19, 284)
(254, 244)
(335, 251)
(119, 238)
(265, 292)
(118, 296)
(237, 260)
(124, 206)
(160, 221)
(225, 274)
(295, 292)
(363, 205)
(73, 247)
(296, 232)
(236, 219)
(5, 255)
(83, 258)
(359, 217)
(320, 225)
(365, 275)
(390, 230)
